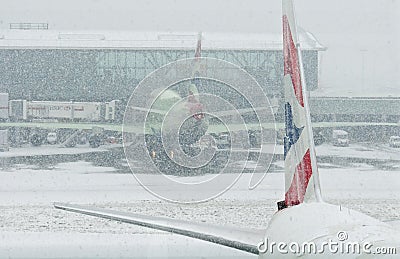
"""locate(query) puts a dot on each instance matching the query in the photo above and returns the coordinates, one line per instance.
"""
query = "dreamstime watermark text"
(339, 246)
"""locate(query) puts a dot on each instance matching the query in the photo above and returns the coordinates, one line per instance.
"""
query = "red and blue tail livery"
(297, 145)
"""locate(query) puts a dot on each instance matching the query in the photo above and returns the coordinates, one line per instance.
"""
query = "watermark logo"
(194, 124)
(342, 236)
(330, 246)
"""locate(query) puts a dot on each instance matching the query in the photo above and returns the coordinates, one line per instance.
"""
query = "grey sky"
(362, 36)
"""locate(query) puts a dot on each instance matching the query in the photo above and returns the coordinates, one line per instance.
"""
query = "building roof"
(52, 39)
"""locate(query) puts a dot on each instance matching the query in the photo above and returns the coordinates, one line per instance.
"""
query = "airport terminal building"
(47, 65)
(98, 66)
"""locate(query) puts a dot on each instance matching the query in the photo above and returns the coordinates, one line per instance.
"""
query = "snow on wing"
(244, 240)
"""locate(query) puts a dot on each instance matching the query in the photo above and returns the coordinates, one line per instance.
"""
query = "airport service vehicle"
(302, 217)
(340, 138)
(222, 140)
(394, 141)
(24, 110)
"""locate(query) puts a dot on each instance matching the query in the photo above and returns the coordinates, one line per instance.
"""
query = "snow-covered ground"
(31, 227)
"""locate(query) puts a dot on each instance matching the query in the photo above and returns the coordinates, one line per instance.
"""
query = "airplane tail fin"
(197, 53)
(193, 88)
(301, 172)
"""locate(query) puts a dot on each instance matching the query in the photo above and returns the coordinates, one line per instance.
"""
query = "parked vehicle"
(36, 139)
(394, 141)
(82, 139)
(340, 138)
(319, 139)
(52, 138)
(223, 140)
(95, 140)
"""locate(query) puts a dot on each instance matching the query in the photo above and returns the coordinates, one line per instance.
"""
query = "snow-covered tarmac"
(31, 227)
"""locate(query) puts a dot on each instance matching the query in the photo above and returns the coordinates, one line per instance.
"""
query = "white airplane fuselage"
(322, 229)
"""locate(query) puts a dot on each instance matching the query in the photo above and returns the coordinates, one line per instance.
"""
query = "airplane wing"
(350, 124)
(238, 111)
(217, 128)
(162, 112)
(220, 128)
(244, 240)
